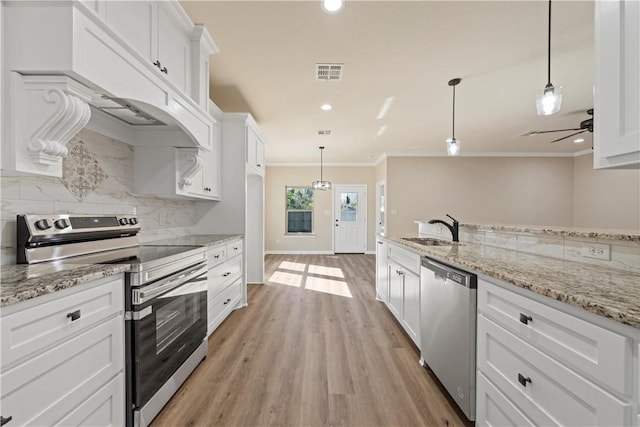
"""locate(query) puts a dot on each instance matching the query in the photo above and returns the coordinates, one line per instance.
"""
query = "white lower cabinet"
(382, 271)
(76, 377)
(225, 282)
(539, 365)
(404, 289)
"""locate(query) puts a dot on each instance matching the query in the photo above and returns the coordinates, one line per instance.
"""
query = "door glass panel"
(348, 206)
(175, 318)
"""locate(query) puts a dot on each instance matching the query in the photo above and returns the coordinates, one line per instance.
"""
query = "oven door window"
(168, 329)
(178, 311)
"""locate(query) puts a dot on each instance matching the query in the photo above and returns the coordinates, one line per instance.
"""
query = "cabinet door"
(411, 306)
(617, 84)
(382, 271)
(211, 177)
(174, 49)
(396, 289)
(135, 22)
(255, 152)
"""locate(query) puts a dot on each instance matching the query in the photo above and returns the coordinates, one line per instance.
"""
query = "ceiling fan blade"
(537, 132)
(568, 136)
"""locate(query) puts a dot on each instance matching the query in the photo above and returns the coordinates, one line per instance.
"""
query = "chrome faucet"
(452, 228)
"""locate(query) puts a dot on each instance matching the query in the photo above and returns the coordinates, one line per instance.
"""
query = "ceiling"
(407, 50)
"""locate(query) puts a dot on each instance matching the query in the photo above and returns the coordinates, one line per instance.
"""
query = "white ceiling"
(408, 50)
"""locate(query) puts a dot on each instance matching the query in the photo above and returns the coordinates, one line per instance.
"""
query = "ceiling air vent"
(324, 132)
(329, 72)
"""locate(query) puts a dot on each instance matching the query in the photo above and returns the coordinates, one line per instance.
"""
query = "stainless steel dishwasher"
(448, 329)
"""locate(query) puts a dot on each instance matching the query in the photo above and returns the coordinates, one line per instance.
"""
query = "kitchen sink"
(426, 241)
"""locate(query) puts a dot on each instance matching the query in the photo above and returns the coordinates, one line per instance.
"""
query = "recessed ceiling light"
(385, 107)
(332, 6)
(578, 140)
(326, 107)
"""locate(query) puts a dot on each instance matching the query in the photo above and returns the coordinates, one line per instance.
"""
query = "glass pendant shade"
(453, 147)
(549, 100)
(321, 184)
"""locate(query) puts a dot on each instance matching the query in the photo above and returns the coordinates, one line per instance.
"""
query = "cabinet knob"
(523, 380)
(75, 315)
(227, 301)
(157, 63)
(4, 420)
(216, 256)
(226, 274)
(525, 318)
(164, 70)
(259, 165)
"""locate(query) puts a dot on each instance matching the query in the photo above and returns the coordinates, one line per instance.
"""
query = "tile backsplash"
(97, 179)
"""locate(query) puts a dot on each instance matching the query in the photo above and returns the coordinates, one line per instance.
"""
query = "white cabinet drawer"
(495, 409)
(219, 277)
(405, 257)
(219, 307)
(234, 248)
(217, 255)
(546, 391)
(35, 328)
(52, 384)
(593, 351)
(104, 408)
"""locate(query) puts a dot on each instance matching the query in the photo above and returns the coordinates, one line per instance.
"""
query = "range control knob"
(123, 221)
(133, 221)
(43, 224)
(61, 223)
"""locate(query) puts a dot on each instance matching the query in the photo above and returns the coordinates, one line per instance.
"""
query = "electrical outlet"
(597, 251)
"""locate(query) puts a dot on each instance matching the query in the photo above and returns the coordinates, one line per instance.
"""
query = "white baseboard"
(308, 253)
(298, 252)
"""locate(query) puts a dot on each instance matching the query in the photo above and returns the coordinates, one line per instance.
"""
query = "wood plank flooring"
(313, 348)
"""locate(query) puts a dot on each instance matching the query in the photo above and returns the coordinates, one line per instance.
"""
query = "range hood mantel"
(71, 65)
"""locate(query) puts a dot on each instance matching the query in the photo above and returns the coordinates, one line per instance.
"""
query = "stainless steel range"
(165, 297)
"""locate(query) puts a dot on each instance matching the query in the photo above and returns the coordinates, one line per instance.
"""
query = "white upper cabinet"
(617, 85)
(159, 32)
(255, 152)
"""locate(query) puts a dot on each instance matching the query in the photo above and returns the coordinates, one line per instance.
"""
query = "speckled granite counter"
(607, 292)
(23, 282)
(197, 240)
(558, 231)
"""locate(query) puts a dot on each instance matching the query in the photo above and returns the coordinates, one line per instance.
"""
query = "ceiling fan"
(585, 126)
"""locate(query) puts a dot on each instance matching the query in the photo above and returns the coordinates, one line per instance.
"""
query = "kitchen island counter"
(607, 292)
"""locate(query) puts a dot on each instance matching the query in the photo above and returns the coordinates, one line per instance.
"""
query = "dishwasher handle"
(460, 277)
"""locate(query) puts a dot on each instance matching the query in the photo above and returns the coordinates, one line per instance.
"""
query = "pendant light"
(321, 185)
(549, 99)
(453, 145)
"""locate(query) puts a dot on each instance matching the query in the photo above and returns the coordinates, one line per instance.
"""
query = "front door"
(350, 218)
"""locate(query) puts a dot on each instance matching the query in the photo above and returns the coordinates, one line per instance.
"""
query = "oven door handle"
(151, 291)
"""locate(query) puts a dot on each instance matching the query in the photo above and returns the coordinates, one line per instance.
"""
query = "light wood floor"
(313, 348)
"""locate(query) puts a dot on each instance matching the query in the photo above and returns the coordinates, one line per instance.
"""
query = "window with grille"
(299, 210)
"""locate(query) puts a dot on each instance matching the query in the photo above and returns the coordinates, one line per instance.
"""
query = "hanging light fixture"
(453, 145)
(549, 99)
(322, 184)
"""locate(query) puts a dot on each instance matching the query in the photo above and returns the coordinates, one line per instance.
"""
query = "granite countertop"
(607, 292)
(24, 281)
(20, 282)
(622, 235)
(197, 240)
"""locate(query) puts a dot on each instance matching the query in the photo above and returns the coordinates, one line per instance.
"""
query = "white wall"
(279, 177)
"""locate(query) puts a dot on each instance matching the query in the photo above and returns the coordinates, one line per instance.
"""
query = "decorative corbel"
(54, 109)
(194, 164)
